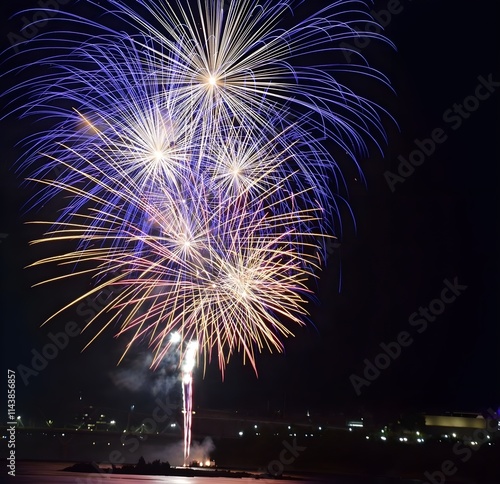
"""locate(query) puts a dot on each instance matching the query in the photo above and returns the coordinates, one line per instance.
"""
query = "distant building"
(461, 425)
(92, 419)
(355, 424)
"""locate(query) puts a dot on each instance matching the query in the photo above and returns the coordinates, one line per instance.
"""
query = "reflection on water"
(52, 473)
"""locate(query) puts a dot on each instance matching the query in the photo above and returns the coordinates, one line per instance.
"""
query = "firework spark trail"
(238, 62)
(188, 365)
(223, 273)
(194, 156)
(195, 159)
(142, 142)
(215, 64)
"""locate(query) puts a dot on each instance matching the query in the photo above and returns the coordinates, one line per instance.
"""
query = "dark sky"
(440, 223)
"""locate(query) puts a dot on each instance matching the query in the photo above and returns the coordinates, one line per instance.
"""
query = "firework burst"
(221, 269)
(192, 155)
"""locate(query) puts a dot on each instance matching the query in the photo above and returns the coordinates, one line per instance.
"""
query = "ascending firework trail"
(187, 394)
(198, 149)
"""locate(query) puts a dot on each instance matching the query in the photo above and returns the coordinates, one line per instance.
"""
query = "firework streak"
(198, 149)
(187, 394)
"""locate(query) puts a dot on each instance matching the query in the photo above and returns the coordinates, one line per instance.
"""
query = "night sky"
(440, 223)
